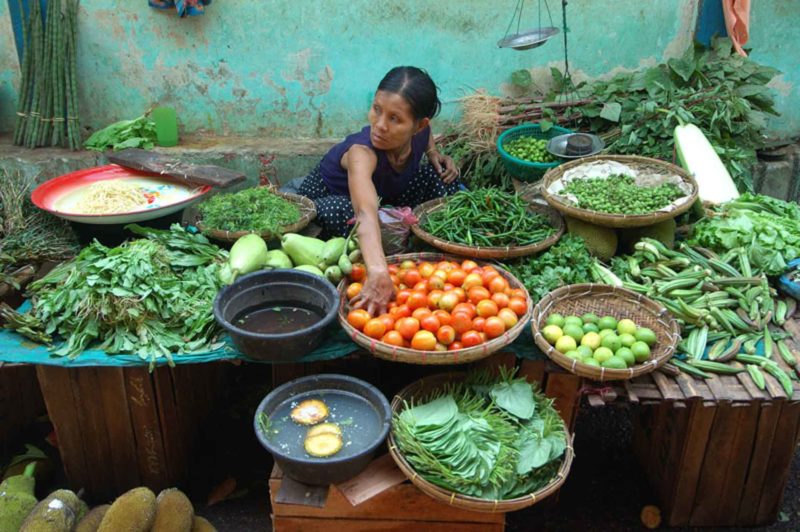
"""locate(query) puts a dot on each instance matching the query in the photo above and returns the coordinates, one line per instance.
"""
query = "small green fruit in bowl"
(641, 351)
(627, 339)
(601, 354)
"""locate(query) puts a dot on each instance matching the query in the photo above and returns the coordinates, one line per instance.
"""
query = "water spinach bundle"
(150, 296)
(256, 209)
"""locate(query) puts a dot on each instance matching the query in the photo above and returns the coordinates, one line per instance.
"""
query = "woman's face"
(392, 122)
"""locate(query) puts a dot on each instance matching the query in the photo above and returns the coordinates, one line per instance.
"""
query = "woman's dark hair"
(416, 87)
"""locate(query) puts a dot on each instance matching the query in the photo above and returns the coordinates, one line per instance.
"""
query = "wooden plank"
(693, 449)
(769, 413)
(147, 161)
(729, 494)
(175, 442)
(149, 442)
(300, 524)
(717, 389)
(119, 428)
(693, 388)
(533, 371)
(668, 388)
(91, 416)
(706, 510)
(563, 387)
(506, 360)
(784, 445)
(61, 407)
(382, 474)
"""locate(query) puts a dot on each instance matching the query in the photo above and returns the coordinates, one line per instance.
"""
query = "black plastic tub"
(331, 470)
(277, 288)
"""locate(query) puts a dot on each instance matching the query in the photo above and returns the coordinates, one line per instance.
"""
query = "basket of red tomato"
(445, 311)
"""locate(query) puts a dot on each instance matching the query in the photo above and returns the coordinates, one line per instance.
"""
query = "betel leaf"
(534, 452)
(611, 111)
(558, 444)
(521, 78)
(545, 125)
(515, 397)
(436, 413)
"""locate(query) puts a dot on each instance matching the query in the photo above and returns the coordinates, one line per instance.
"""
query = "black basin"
(279, 287)
(329, 470)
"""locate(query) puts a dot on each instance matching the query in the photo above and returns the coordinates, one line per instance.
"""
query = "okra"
(780, 312)
(767, 343)
(744, 262)
(731, 351)
(717, 348)
(691, 370)
(723, 267)
(715, 367)
(676, 284)
(757, 360)
(757, 376)
(782, 377)
(786, 353)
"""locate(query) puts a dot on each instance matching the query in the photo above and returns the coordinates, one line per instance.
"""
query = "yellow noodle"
(112, 197)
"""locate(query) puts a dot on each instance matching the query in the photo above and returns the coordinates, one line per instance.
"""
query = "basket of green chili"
(487, 223)
(259, 210)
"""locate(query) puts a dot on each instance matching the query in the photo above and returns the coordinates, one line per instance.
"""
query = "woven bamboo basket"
(619, 220)
(423, 387)
(414, 356)
(605, 300)
(307, 213)
(479, 252)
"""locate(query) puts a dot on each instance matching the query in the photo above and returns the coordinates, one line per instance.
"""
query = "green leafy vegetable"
(137, 133)
(514, 397)
(256, 209)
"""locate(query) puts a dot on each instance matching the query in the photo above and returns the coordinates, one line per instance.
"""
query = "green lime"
(607, 322)
(585, 351)
(627, 355)
(555, 319)
(626, 326)
(590, 327)
(591, 340)
(604, 332)
(575, 331)
(611, 341)
(627, 339)
(591, 362)
(601, 354)
(566, 343)
(589, 318)
(614, 362)
(573, 319)
(645, 335)
(574, 354)
(552, 333)
(641, 351)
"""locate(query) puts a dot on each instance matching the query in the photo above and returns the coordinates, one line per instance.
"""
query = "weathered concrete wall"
(308, 69)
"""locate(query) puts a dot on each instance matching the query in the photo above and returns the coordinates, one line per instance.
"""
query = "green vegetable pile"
(256, 209)
(567, 262)
(529, 149)
(150, 296)
(724, 94)
(487, 217)
(619, 194)
(769, 228)
(487, 437)
(137, 133)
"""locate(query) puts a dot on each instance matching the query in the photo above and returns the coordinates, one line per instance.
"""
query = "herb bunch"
(256, 209)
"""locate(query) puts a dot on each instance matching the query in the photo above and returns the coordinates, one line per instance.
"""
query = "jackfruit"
(17, 499)
(201, 524)
(600, 241)
(174, 512)
(91, 521)
(664, 232)
(57, 513)
(133, 511)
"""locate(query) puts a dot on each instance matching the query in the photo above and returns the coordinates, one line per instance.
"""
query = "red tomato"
(508, 316)
(488, 275)
(443, 316)
(456, 277)
(434, 296)
(448, 287)
(408, 327)
(430, 323)
(393, 338)
(455, 346)
(469, 265)
(498, 284)
(352, 290)
(471, 339)
(387, 320)
(407, 264)
(441, 274)
(518, 305)
(446, 335)
(472, 279)
(435, 283)
(461, 293)
(411, 277)
(420, 313)
(375, 328)
(501, 299)
(469, 308)
(424, 341)
(517, 292)
(462, 322)
(440, 347)
(417, 300)
(494, 327)
(478, 323)
(476, 294)
(359, 272)
(445, 265)
(486, 308)
(358, 318)
(395, 279)
(402, 296)
(421, 286)
(393, 269)
(400, 311)
(426, 269)
(448, 301)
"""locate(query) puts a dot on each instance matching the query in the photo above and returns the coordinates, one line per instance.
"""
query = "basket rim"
(529, 164)
(459, 500)
(308, 212)
(617, 220)
(669, 339)
(489, 252)
(415, 356)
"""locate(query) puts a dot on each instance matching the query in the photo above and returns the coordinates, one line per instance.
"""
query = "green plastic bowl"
(526, 170)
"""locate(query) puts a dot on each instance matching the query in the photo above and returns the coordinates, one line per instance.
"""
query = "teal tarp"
(17, 349)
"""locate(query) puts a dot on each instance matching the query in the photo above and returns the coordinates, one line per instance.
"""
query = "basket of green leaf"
(260, 210)
(480, 441)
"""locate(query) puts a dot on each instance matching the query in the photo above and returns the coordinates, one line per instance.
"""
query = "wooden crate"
(118, 428)
(398, 509)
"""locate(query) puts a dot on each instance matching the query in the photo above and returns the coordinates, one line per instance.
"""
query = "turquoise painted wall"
(309, 69)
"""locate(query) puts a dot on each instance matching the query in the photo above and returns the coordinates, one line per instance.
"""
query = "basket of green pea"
(523, 150)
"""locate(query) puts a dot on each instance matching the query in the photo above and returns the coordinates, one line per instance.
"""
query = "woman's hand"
(444, 165)
(375, 294)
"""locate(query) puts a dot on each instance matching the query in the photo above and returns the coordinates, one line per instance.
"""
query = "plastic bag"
(396, 225)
